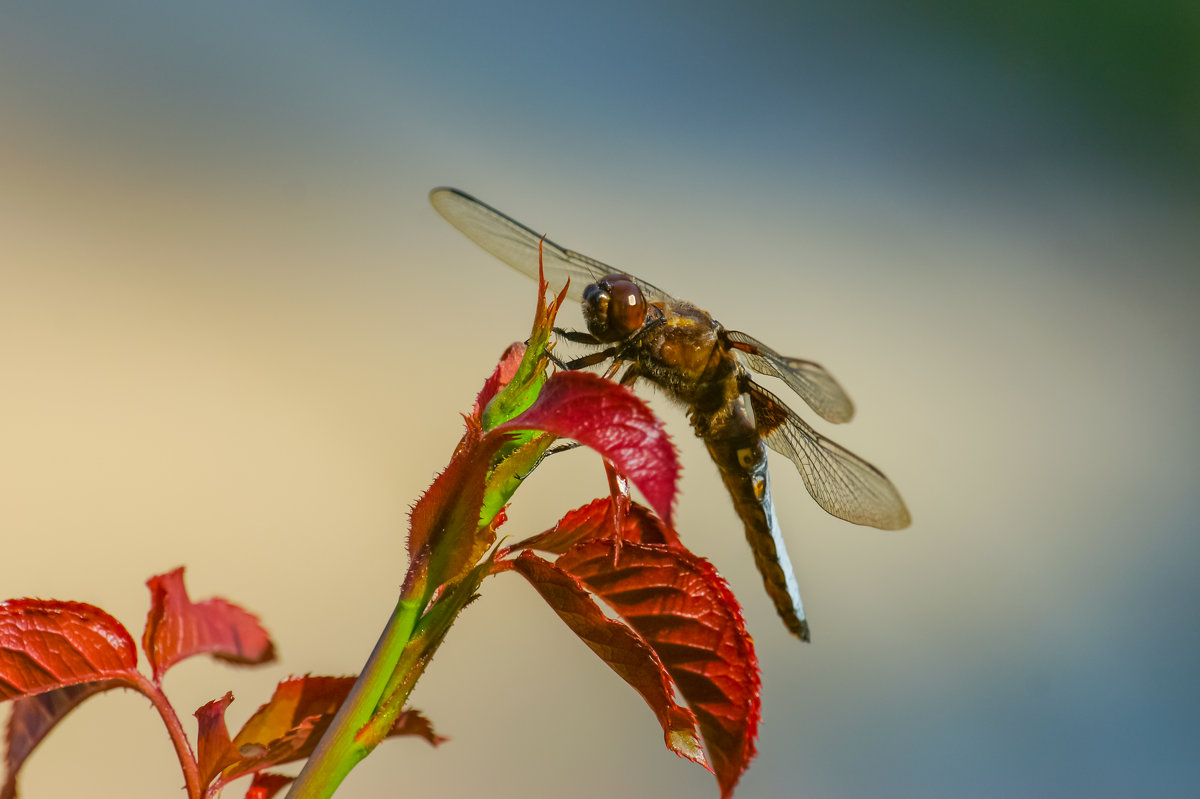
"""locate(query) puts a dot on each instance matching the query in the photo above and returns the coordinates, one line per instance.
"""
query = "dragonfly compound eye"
(613, 308)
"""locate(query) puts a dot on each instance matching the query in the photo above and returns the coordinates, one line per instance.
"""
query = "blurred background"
(234, 336)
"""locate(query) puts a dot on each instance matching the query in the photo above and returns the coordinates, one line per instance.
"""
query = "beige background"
(234, 336)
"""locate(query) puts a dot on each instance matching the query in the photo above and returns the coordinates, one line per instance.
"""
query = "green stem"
(429, 633)
(395, 695)
(339, 750)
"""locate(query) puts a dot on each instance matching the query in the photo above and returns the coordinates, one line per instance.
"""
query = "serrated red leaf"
(686, 612)
(293, 701)
(624, 651)
(54, 655)
(177, 628)
(643, 527)
(610, 419)
(426, 517)
(266, 784)
(500, 377)
(444, 522)
(47, 644)
(594, 521)
(287, 727)
(33, 717)
(413, 722)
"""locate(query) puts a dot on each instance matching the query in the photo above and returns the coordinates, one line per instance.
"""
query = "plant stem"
(339, 750)
(430, 631)
(183, 749)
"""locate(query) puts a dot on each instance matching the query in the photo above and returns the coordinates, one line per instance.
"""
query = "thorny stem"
(430, 632)
(183, 749)
(339, 750)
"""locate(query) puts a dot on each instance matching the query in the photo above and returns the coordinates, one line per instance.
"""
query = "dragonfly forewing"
(517, 245)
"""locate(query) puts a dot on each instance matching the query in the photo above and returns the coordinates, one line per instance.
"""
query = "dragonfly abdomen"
(741, 458)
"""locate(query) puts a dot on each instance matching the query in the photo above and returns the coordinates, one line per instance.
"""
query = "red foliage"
(54, 655)
(500, 377)
(608, 418)
(46, 644)
(266, 784)
(177, 628)
(426, 517)
(678, 603)
(445, 520)
(624, 651)
(33, 717)
(283, 730)
(214, 749)
(596, 520)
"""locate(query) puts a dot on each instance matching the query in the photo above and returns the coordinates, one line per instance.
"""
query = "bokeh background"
(234, 335)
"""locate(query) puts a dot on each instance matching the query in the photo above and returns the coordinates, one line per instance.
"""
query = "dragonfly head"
(613, 308)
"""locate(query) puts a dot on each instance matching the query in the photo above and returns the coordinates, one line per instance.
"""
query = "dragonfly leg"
(590, 360)
(577, 336)
(557, 361)
(557, 448)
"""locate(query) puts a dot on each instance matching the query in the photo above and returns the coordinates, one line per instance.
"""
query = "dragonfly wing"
(842, 483)
(809, 380)
(517, 245)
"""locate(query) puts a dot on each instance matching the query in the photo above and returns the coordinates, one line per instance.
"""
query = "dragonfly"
(707, 369)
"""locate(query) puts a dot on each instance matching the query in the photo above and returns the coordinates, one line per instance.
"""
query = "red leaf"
(33, 717)
(594, 521)
(266, 784)
(444, 521)
(177, 628)
(618, 646)
(643, 527)
(288, 727)
(680, 605)
(54, 655)
(214, 749)
(46, 644)
(608, 418)
(503, 373)
(294, 701)
(412, 722)
(425, 518)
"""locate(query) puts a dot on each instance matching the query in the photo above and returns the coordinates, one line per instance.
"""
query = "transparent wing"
(842, 483)
(517, 246)
(810, 380)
